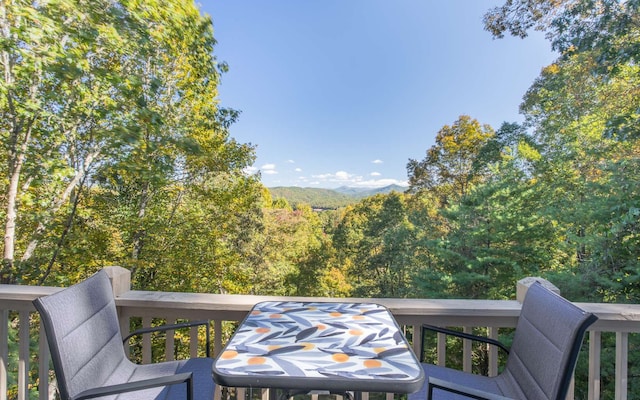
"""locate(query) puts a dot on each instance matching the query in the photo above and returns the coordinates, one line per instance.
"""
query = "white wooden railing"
(17, 379)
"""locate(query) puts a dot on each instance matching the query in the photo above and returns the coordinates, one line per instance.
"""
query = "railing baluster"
(595, 344)
(146, 342)
(193, 341)
(169, 343)
(442, 349)
(492, 333)
(466, 350)
(4, 352)
(217, 337)
(43, 368)
(125, 327)
(23, 356)
(572, 388)
(622, 352)
(417, 338)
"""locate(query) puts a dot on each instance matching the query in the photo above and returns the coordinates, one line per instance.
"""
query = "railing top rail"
(223, 302)
(609, 314)
(24, 292)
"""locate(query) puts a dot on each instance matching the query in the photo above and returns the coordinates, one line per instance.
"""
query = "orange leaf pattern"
(315, 341)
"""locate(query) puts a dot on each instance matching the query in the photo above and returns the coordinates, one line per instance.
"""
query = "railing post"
(524, 283)
(120, 279)
(120, 283)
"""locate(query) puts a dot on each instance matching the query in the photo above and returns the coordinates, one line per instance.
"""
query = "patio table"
(303, 347)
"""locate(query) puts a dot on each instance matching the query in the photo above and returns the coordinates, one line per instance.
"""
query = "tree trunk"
(16, 161)
(10, 223)
(65, 232)
(138, 236)
(73, 184)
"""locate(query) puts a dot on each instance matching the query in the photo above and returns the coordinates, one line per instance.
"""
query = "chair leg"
(190, 388)
(430, 392)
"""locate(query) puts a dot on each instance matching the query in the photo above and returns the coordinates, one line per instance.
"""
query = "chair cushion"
(491, 385)
(203, 385)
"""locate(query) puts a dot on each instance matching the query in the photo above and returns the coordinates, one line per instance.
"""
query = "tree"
(448, 166)
(138, 125)
(583, 114)
(580, 24)
(65, 66)
(575, 114)
(375, 242)
(603, 33)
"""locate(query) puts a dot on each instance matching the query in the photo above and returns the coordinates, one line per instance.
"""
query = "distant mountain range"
(366, 192)
(329, 198)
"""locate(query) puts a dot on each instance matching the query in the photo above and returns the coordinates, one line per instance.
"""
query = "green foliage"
(449, 168)
(372, 239)
(328, 199)
(133, 156)
(316, 198)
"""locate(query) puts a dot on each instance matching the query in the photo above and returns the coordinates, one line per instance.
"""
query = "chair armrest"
(168, 327)
(426, 327)
(435, 383)
(186, 377)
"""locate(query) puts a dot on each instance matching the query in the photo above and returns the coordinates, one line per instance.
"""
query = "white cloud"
(337, 177)
(269, 169)
(298, 170)
(291, 161)
(378, 183)
(250, 170)
(343, 176)
(378, 161)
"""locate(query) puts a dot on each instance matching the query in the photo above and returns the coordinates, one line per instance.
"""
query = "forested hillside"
(326, 199)
(116, 153)
(315, 197)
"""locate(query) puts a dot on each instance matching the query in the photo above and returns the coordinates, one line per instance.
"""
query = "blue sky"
(344, 92)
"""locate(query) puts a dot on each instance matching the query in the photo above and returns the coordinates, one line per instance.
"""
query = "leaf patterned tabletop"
(319, 346)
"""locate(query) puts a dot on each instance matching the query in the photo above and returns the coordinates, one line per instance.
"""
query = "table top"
(319, 346)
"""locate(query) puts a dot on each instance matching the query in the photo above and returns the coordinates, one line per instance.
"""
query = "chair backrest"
(83, 333)
(546, 344)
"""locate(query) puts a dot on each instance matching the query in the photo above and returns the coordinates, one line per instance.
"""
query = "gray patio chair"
(540, 363)
(88, 356)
